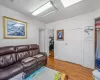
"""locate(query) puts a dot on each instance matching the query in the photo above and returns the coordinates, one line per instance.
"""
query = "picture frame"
(60, 34)
(14, 29)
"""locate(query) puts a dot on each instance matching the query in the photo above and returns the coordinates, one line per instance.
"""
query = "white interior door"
(89, 50)
(73, 42)
(89, 54)
(41, 40)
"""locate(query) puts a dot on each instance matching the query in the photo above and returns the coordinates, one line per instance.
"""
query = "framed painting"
(14, 29)
(60, 34)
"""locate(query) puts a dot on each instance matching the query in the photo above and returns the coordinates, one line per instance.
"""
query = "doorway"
(97, 43)
(42, 40)
(51, 42)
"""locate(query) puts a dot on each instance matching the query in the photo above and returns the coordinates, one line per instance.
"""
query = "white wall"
(81, 22)
(42, 40)
(33, 28)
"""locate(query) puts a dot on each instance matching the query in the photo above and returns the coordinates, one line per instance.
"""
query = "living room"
(33, 30)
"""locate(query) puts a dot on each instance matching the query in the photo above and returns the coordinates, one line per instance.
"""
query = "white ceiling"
(27, 6)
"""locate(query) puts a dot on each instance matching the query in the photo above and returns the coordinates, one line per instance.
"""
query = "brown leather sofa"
(22, 58)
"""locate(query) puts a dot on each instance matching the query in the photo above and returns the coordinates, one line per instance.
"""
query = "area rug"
(45, 73)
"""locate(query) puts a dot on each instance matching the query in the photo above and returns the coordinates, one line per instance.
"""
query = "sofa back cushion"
(7, 56)
(33, 49)
(22, 52)
(12, 54)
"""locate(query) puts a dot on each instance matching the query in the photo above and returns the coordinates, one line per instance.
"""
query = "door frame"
(95, 40)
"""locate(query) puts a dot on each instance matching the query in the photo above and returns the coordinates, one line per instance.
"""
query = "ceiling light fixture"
(67, 3)
(49, 13)
(42, 8)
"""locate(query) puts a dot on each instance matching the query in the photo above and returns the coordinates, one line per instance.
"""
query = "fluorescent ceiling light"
(49, 13)
(42, 9)
(67, 3)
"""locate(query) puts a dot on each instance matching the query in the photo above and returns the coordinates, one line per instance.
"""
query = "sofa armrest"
(43, 53)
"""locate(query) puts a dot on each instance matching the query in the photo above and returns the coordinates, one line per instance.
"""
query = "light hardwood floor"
(51, 53)
(74, 71)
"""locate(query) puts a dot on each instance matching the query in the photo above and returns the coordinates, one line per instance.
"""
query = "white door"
(73, 45)
(89, 54)
(41, 40)
(89, 50)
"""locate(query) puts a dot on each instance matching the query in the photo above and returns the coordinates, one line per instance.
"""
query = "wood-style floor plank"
(74, 71)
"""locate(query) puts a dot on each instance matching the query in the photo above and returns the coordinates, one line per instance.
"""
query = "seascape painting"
(14, 28)
(60, 34)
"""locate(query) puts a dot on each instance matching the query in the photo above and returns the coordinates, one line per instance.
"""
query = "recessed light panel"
(67, 3)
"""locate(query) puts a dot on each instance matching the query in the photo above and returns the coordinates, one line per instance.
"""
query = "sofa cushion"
(28, 64)
(7, 60)
(43, 53)
(33, 49)
(33, 52)
(7, 50)
(33, 46)
(22, 52)
(10, 71)
(7, 56)
(40, 57)
(22, 55)
(22, 48)
(41, 60)
(27, 59)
